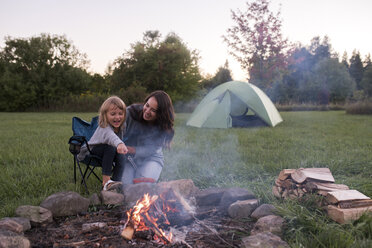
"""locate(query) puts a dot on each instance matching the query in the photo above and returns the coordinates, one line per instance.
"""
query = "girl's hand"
(131, 150)
(122, 149)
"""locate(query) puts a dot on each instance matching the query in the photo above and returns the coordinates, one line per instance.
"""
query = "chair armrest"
(75, 143)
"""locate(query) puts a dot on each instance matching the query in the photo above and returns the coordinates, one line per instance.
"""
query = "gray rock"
(270, 223)
(242, 209)
(232, 195)
(263, 240)
(112, 198)
(263, 210)
(133, 192)
(11, 225)
(185, 187)
(26, 225)
(66, 203)
(209, 197)
(94, 200)
(36, 215)
(10, 239)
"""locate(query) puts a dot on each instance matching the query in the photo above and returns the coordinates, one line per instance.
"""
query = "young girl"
(107, 140)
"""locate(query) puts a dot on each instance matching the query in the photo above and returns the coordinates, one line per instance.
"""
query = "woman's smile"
(149, 110)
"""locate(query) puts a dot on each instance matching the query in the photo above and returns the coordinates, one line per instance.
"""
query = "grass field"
(35, 163)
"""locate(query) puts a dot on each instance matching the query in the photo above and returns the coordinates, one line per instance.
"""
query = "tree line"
(294, 73)
(48, 72)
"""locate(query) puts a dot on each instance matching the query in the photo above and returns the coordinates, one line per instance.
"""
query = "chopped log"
(288, 184)
(300, 192)
(322, 192)
(291, 195)
(284, 174)
(321, 174)
(281, 189)
(128, 232)
(335, 197)
(278, 182)
(285, 194)
(276, 192)
(342, 216)
(295, 191)
(314, 186)
(355, 204)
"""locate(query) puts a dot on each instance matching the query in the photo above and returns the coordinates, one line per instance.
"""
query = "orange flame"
(142, 219)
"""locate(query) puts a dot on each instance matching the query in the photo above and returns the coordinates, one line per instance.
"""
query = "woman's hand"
(122, 149)
(131, 149)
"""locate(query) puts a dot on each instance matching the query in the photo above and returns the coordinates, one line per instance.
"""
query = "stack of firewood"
(341, 203)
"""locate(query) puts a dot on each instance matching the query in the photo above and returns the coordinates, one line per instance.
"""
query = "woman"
(149, 128)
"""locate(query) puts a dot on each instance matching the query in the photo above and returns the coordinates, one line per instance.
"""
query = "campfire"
(145, 215)
(156, 214)
(168, 214)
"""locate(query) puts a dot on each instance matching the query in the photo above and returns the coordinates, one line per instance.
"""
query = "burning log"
(134, 216)
(158, 232)
(150, 211)
(128, 232)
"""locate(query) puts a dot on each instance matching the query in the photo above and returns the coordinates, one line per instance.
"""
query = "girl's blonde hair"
(106, 106)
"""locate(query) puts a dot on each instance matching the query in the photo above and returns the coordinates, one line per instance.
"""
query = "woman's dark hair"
(164, 114)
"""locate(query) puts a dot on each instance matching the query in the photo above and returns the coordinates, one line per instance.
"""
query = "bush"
(308, 107)
(87, 102)
(360, 108)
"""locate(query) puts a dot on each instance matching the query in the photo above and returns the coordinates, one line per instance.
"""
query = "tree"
(344, 60)
(333, 81)
(300, 64)
(256, 42)
(156, 64)
(320, 49)
(367, 61)
(356, 68)
(40, 70)
(366, 82)
(222, 75)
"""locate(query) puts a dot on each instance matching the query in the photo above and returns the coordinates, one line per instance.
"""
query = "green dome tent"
(234, 104)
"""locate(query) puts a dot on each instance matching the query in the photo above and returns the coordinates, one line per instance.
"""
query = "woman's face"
(115, 117)
(149, 109)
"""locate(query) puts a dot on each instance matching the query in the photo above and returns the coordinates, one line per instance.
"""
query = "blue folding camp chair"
(82, 132)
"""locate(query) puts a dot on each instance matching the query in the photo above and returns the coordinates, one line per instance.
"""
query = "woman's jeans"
(147, 169)
(109, 155)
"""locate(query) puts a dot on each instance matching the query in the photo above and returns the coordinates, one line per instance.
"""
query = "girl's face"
(115, 117)
(149, 109)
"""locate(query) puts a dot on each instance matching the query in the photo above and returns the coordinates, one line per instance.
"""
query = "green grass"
(35, 163)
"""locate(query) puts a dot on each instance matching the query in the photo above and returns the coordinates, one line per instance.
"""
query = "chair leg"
(75, 159)
(92, 172)
(83, 177)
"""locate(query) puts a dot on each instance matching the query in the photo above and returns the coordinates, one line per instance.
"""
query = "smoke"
(207, 156)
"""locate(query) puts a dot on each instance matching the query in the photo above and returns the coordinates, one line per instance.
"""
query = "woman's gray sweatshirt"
(148, 139)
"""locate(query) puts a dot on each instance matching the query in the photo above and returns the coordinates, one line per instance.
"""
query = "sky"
(104, 30)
